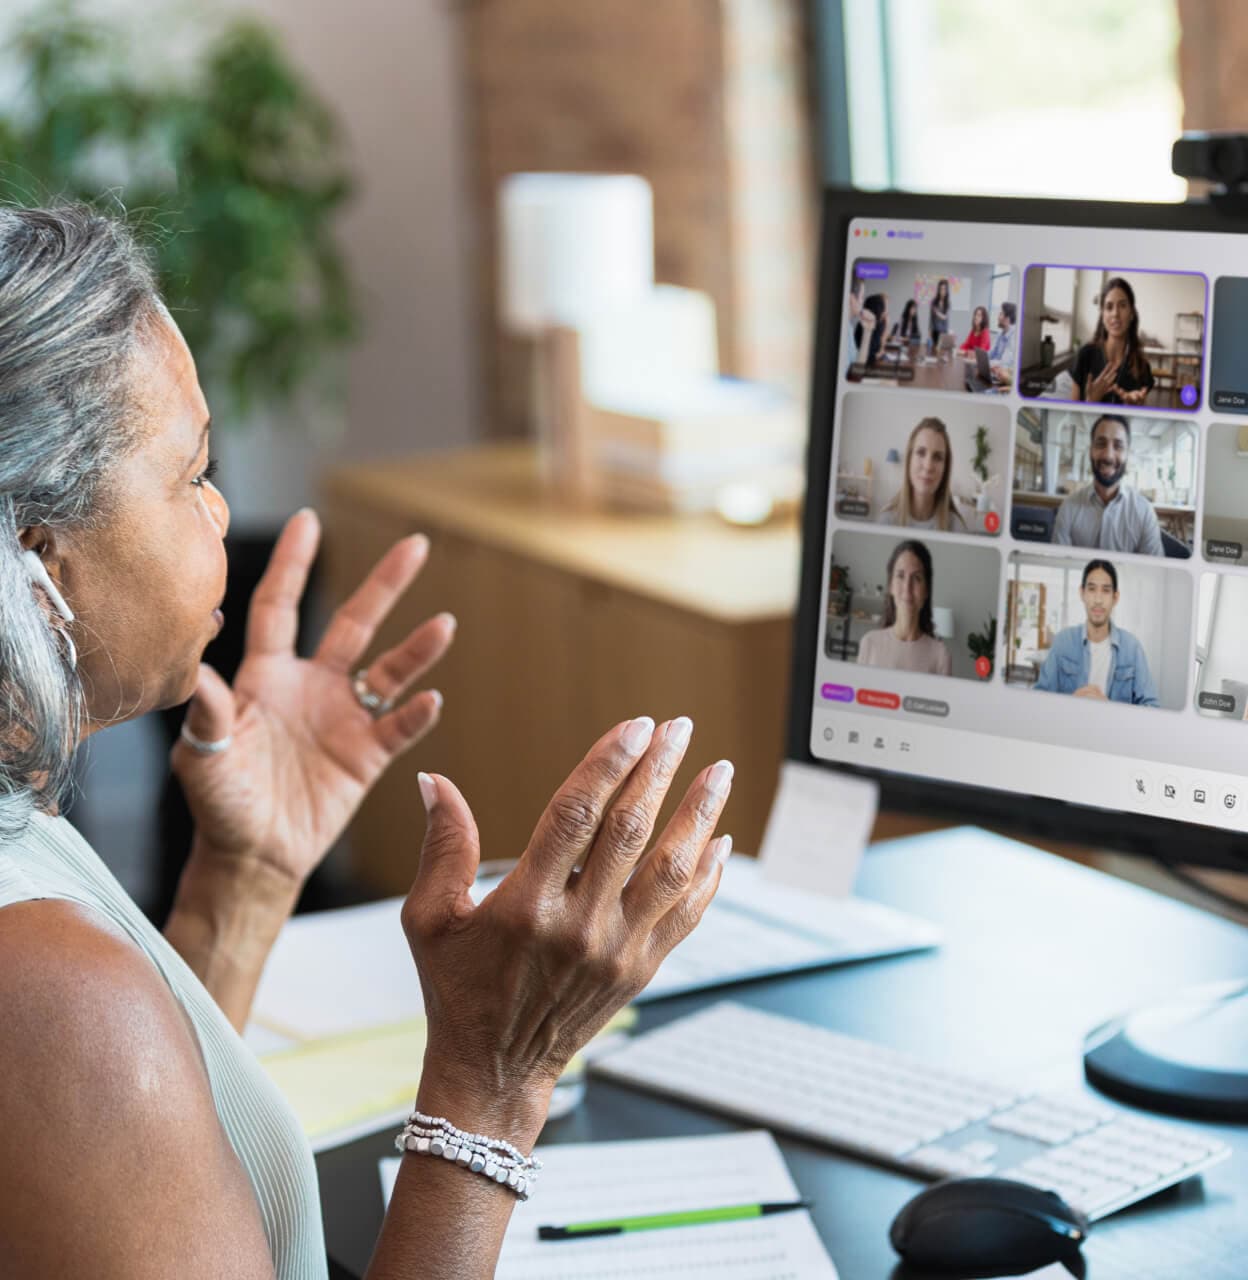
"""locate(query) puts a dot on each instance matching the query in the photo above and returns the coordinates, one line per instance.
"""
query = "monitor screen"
(1026, 543)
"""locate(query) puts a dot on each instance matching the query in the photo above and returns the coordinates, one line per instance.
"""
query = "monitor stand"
(1187, 1056)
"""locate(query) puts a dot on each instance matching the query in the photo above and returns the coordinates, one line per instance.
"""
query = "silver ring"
(369, 699)
(205, 748)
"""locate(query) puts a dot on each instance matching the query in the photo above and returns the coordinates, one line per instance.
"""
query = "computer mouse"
(987, 1226)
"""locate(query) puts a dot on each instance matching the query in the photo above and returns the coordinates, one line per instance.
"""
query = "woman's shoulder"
(65, 967)
(102, 1070)
(88, 1017)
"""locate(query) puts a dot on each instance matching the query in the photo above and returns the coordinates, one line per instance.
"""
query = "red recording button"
(992, 522)
(983, 668)
(878, 698)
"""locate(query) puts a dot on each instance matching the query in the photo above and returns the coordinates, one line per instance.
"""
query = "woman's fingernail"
(723, 847)
(428, 790)
(451, 621)
(436, 695)
(719, 780)
(678, 733)
(637, 735)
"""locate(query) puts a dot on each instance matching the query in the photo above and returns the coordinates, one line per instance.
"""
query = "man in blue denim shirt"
(1099, 660)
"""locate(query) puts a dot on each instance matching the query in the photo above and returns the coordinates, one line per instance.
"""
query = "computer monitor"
(1030, 607)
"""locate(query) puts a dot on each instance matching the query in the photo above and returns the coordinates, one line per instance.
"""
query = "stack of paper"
(589, 1181)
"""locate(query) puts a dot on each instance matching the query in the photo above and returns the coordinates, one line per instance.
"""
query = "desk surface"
(1038, 951)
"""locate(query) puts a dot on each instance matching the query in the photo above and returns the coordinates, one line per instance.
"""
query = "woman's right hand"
(515, 986)
(1100, 386)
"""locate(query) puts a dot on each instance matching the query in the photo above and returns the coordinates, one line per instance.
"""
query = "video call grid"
(1004, 537)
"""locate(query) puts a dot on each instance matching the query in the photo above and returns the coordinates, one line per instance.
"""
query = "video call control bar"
(1054, 772)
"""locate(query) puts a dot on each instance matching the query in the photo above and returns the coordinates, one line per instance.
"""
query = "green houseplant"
(983, 644)
(233, 172)
(231, 169)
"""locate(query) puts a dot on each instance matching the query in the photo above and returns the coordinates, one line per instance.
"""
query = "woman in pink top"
(978, 336)
(907, 640)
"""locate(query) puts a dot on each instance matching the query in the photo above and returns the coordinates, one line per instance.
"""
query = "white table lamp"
(571, 246)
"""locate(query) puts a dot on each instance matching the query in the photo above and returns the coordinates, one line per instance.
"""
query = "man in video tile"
(1099, 660)
(1001, 356)
(1107, 513)
(1111, 368)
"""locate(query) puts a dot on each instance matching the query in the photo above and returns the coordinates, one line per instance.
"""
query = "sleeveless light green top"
(51, 860)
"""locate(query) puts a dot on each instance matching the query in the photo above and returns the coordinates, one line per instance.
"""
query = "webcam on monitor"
(1221, 158)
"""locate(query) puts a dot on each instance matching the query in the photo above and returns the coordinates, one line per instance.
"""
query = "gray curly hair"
(77, 292)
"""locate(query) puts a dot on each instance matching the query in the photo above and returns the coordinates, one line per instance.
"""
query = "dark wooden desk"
(1037, 951)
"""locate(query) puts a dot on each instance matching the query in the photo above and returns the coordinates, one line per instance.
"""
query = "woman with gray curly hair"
(142, 1139)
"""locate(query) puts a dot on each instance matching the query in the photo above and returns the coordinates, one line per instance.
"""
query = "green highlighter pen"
(657, 1221)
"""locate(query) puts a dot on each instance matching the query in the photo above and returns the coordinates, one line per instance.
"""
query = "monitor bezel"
(1153, 836)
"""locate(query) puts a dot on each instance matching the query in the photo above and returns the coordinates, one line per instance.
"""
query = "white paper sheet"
(585, 1181)
(756, 927)
(337, 971)
(818, 829)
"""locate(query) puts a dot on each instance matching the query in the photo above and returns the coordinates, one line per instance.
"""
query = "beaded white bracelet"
(493, 1158)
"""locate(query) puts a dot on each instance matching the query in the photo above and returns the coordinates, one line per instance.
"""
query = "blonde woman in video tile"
(924, 501)
(907, 640)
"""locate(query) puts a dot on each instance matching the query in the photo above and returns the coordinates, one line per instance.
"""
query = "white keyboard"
(897, 1110)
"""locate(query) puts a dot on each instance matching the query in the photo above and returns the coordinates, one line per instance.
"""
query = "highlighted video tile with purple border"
(932, 326)
(1113, 335)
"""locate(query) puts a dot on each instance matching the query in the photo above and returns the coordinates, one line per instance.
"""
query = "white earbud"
(39, 576)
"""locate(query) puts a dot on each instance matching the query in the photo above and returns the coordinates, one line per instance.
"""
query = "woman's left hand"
(304, 751)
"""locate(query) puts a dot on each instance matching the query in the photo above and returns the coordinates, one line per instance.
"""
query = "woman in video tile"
(978, 336)
(872, 328)
(938, 313)
(924, 501)
(907, 328)
(1111, 369)
(907, 640)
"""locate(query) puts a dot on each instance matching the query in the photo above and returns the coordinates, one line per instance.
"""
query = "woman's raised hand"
(513, 987)
(304, 751)
(1100, 386)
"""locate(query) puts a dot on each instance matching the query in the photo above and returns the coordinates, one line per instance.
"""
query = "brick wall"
(707, 99)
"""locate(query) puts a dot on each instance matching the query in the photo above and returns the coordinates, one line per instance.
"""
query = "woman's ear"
(42, 540)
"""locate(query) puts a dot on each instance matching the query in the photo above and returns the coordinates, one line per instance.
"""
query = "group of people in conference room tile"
(869, 328)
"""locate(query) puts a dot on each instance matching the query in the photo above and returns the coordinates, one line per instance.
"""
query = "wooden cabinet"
(568, 622)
